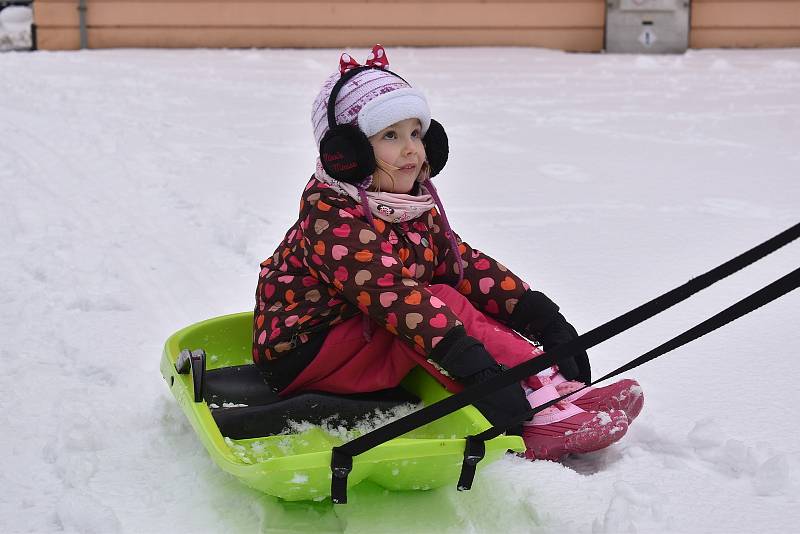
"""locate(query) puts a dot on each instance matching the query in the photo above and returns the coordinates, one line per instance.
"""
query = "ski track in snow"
(139, 190)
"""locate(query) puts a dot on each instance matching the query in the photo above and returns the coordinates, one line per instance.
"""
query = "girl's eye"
(390, 135)
(415, 133)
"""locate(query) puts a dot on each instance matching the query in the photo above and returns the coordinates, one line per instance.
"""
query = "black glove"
(465, 359)
(537, 317)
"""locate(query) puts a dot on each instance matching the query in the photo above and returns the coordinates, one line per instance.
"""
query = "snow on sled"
(282, 446)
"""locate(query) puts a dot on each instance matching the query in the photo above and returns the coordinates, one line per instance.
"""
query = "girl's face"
(400, 146)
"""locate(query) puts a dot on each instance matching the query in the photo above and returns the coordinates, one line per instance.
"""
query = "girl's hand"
(538, 317)
(559, 332)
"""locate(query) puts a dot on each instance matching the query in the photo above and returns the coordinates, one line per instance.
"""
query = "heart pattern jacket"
(333, 265)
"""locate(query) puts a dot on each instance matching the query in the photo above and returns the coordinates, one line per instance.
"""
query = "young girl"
(371, 280)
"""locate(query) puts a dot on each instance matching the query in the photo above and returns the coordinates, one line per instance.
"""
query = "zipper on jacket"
(293, 340)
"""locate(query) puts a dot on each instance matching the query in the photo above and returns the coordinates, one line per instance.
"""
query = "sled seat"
(245, 406)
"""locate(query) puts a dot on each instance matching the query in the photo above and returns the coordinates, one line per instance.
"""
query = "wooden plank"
(53, 14)
(577, 40)
(364, 2)
(552, 14)
(744, 38)
(748, 14)
(57, 38)
(695, 2)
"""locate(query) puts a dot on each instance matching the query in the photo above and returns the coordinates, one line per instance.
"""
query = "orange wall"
(575, 25)
(565, 24)
(744, 23)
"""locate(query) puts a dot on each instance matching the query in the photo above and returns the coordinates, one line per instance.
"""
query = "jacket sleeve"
(489, 285)
(347, 253)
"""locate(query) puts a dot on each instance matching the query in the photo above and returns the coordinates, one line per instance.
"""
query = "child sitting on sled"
(371, 280)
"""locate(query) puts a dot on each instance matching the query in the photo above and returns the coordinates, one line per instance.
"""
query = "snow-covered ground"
(139, 190)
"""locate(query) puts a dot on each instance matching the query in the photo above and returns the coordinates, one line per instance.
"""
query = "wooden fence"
(744, 23)
(565, 24)
(574, 25)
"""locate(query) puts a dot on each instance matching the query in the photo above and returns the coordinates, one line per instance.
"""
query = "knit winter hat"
(372, 100)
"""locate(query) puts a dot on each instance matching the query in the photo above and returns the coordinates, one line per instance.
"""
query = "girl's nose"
(410, 147)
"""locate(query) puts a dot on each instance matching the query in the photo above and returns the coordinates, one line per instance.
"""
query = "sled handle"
(194, 361)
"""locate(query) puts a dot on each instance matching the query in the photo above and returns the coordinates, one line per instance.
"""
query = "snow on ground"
(139, 190)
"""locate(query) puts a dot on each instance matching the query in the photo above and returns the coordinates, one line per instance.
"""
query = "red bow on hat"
(376, 58)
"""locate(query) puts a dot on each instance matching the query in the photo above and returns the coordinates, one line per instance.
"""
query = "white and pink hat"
(372, 99)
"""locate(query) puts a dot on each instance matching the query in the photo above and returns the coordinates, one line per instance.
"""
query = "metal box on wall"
(647, 26)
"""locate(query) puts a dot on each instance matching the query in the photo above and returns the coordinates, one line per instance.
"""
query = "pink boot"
(625, 395)
(565, 428)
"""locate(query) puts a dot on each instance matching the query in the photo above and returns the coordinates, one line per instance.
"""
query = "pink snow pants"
(348, 363)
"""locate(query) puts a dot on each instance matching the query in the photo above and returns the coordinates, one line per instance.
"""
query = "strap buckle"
(474, 452)
(341, 466)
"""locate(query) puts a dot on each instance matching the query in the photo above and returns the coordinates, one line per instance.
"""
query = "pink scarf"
(391, 207)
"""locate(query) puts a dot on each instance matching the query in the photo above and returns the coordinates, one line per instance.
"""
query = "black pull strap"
(474, 451)
(341, 465)
(752, 302)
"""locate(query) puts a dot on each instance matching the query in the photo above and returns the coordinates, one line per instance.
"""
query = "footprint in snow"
(770, 472)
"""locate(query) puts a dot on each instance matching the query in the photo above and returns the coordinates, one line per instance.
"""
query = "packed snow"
(334, 428)
(15, 28)
(140, 189)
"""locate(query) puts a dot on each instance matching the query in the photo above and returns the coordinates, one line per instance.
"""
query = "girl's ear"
(436, 147)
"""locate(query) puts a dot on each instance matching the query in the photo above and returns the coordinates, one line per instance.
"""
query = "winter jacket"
(333, 264)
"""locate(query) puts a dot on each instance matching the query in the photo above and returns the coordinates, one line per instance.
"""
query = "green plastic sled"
(296, 466)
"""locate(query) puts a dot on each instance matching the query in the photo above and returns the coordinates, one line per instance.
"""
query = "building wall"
(565, 24)
(744, 23)
(574, 25)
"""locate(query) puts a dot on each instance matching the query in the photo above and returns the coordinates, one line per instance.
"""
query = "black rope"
(763, 296)
(756, 300)
(589, 339)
